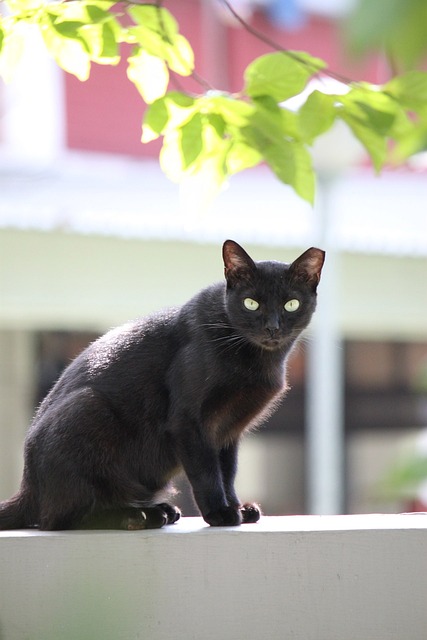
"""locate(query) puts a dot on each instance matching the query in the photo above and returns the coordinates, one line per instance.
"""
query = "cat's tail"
(18, 512)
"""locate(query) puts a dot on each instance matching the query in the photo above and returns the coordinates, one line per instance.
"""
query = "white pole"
(324, 446)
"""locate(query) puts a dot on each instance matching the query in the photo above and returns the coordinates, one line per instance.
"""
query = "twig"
(278, 47)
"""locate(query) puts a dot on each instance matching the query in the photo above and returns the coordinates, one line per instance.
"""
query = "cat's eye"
(292, 305)
(250, 304)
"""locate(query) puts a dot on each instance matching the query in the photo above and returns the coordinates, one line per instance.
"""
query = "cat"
(171, 392)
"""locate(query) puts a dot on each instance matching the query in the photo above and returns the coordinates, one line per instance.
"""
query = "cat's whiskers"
(216, 325)
(230, 342)
(302, 343)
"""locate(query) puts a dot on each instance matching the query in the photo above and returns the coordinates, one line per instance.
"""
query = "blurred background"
(92, 234)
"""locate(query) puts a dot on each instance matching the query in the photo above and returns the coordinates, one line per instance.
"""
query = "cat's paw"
(172, 512)
(250, 513)
(155, 517)
(225, 517)
(134, 520)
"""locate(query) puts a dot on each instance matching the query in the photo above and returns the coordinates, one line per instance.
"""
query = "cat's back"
(143, 343)
(132, 355)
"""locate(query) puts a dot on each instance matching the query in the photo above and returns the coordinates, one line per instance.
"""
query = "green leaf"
(367, 25)
(196, 148)
(290, 124)
(73, 12)
(155, 27)
(180, 56)
(148, 39)
(214, 145)
(168, 45)
(105, 5)
(167, 114)
(373, 117)
(180, 108)
(274, 75)
(101, 42)
(314, 64)
(24, 6)
(398, 27)
(241, 156)
(109, 53)
(97, 13)
(149, 74)
(91, 26)
(70, 54)
(292, 164)
(374, 143)
(409, 89)
(191, 140)
(267, 124)
(316, 116)
(289, 160)
(277, 75)
(234, 112)
(155, 19)
(68, 28)
(370, 95)
(214, 136)
(217, 122)
(413, 141)
(155, 120)
(380, 121)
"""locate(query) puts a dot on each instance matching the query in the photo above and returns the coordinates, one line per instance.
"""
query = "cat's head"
(270, 303)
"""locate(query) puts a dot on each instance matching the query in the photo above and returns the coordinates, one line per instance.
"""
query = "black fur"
(175, 390)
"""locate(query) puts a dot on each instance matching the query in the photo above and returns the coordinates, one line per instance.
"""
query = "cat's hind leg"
(122, 518)
(131, 518)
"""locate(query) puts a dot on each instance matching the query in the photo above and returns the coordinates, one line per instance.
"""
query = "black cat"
(170, 392)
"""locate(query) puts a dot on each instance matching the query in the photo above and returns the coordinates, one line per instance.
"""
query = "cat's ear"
(238, 265)
(308, 267)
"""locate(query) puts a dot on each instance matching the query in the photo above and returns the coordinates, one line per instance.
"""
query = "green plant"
(216, 133)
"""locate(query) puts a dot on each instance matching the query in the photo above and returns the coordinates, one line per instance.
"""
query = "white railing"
(300, 577)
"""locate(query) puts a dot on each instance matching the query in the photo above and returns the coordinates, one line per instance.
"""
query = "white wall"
(60, 279)
(16, 389)
(305, 578)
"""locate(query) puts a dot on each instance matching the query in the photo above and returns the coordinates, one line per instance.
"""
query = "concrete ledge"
(302, 577)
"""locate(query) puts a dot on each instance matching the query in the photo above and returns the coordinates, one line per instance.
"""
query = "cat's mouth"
(271, 343)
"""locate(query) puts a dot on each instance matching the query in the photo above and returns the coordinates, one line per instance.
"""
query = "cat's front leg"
(228, 459)
(201, 462)
(228, 462)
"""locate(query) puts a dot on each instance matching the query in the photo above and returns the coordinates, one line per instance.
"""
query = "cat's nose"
(272, 331)
(272, 326)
